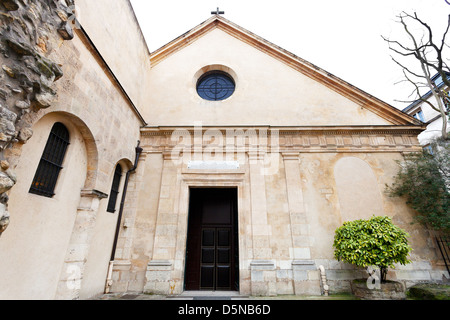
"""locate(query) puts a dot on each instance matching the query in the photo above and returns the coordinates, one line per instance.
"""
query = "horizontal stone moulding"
(159, 265)
(262, 265)
(304, 264)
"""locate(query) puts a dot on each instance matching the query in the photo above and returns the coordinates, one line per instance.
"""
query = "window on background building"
(419, 116)
(428, 148)
(50, 165)
(114, 189)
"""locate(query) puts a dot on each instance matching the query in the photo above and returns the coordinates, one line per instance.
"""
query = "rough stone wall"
(30, 31)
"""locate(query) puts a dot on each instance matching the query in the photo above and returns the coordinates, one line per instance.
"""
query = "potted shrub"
(373, 242)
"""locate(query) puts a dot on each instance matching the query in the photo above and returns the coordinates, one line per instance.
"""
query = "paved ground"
(216, 295)
(424, 291)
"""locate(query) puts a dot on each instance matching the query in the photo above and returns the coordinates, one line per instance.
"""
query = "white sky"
(342, 37)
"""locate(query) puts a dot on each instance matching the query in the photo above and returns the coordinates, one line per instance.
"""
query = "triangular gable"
(365, 100)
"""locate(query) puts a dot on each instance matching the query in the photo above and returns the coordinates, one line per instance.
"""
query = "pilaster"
(75, 261)
(124, 276)
(299, 222)
(160, 268)
(261, 230)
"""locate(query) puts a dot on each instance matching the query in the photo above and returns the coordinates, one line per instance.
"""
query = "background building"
(431, 117)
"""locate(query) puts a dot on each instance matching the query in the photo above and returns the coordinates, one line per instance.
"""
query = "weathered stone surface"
(4, 164)
(45, 99)
(7, 181)
(391, 290)
(10, 5)
(25, 134)
(29, 31)
(65, 30)
(4, 218)
(7, 124)
(10, 72)
(23, 104)
(19, 47)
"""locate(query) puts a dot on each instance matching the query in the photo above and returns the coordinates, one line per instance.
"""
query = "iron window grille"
(215, 86)
(114, 189)
(50, 165)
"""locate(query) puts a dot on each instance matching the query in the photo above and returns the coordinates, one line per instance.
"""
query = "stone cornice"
(282, 139)
(301, 130)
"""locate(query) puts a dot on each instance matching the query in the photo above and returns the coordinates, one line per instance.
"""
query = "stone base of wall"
(120, 276)
(266, 279)
(159, 279)
(306, 277)
(340, 275)
(126, 279)
(391, 290)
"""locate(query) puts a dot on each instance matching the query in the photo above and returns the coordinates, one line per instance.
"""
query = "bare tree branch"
(421, 98)
(445, 34)
(409, 71)
(424, 50)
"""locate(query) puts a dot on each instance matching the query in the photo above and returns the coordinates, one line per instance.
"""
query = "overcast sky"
(342, 37)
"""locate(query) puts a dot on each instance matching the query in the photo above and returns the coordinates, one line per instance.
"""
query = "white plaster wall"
(359, 197)
(96, 272)
(267, 91)
(32, 251)
(37, 240)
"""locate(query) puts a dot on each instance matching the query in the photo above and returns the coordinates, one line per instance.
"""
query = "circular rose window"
(215, 86)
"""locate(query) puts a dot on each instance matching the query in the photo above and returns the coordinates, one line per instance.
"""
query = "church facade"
(218, 162)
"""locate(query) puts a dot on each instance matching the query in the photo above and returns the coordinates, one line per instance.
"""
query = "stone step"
(209, 295)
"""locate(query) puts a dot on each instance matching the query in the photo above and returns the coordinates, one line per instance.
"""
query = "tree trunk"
(383, 274)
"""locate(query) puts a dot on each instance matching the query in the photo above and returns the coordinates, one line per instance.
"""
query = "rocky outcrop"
(30, 30)
(389, 290)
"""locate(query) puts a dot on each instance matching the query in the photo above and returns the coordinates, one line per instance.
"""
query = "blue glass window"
(419, 116)
(215, 86)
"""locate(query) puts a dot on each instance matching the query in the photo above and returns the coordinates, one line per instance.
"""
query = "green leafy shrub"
(374, 242)
(424, 180)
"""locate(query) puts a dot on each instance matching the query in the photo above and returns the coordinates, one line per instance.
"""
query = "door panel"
(216, 248)
(223, 255)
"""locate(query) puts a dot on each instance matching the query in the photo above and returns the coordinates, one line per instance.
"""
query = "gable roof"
(365, 100)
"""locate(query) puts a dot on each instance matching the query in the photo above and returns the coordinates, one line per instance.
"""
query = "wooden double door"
(212, 253)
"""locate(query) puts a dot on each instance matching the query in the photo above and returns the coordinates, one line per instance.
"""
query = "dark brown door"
(212, 251)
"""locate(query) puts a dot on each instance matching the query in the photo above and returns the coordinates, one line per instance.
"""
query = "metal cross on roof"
(217, 12)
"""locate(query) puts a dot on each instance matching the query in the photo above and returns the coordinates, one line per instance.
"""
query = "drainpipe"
(119, 218)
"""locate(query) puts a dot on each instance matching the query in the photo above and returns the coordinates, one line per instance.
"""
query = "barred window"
(114, 189)
(50, 165)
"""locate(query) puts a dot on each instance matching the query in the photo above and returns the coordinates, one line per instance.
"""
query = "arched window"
(114, 189)
(50, 165)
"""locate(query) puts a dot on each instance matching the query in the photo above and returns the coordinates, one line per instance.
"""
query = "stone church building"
(218, 162)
